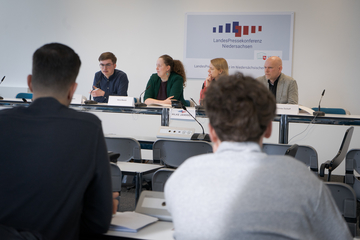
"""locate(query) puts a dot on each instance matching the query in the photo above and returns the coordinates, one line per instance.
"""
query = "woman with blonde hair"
(218, 67)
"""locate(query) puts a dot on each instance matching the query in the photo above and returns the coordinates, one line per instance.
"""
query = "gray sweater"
(241, 193)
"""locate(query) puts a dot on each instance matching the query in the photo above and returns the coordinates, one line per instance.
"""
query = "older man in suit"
(282, 86)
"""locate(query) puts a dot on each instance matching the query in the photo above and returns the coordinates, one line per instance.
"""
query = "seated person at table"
(217, 68)
(167, 84)
(283, 87)
(109, 81)
(239, 192)
(55, 170)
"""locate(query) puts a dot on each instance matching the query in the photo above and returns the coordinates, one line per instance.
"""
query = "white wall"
(326, 37)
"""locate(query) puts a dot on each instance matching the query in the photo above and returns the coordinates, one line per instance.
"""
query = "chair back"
(24, 95)
(129, 148)
(305, 154)
(116, 176)
(343, 148)
(339, 157)
(345, 200)
(160, 177)
(173, 153)
(352, 162)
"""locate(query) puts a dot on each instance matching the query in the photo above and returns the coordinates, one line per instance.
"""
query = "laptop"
(153, 203)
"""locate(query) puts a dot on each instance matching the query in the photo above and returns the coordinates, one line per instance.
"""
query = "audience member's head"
(54, 71)
(239, 108)
(273, 68)
(220, 67)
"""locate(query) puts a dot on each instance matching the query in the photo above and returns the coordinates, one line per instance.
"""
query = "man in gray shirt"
(239, 192)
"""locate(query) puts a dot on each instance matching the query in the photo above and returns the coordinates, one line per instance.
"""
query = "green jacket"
(174, 87)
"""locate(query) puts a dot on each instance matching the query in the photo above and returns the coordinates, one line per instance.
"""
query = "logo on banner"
(238, 30)
(262, 55)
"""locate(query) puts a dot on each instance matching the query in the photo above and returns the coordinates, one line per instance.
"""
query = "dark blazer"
(55, 171)
(174, 87)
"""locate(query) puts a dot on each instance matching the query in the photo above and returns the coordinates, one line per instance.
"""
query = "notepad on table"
(130, 221)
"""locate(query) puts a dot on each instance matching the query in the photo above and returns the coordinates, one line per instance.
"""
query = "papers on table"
(130, 221)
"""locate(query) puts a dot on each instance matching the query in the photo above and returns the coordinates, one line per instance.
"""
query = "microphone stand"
(319, 113)
(198, 136)
(197, 106)
(92, 101)
(1, 98)
(140, 104)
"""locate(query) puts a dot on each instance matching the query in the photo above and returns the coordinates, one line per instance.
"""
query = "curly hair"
(175, 66)
(239, 108)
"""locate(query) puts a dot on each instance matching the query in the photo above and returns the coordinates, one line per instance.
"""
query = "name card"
(78, 99)
(287, 109)
(121, 101)
(179, 113)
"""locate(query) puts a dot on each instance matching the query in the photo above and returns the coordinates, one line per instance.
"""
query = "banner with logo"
(245, 40)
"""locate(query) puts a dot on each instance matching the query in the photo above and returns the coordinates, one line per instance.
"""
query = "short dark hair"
(108, 55)
(55, 67)
(239, 108)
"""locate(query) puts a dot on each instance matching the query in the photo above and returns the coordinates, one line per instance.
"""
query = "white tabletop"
(159, 230)
(137, 167)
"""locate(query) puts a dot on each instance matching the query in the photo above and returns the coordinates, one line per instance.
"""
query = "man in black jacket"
(54, 168)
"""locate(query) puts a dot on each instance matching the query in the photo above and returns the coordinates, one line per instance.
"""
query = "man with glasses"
(109, 81)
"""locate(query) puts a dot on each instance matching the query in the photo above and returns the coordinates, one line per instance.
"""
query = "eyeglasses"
(105, 65)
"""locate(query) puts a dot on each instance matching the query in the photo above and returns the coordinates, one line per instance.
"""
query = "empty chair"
(174, 152)
(129, 148)
(345, 200)
(116, 179)
(305, 154)
(352, 162)
(332, 164)
(160, 177)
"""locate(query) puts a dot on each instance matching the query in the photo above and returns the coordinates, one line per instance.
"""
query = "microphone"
(319, 113)
(197, 106)
(198, 136)
(1, 98)
(140, 104)
(92, 101)
(194, 102)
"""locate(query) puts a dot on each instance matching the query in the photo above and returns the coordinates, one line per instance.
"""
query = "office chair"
(116, 180)
(345, 200)
(305, 154)
(332, 164)
(129, 148)
(160, 177)
(172, 153)
(24, 95)
(291, 151)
